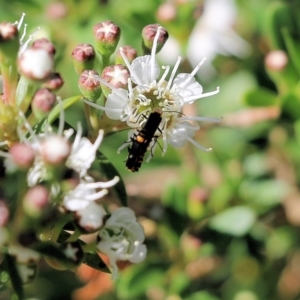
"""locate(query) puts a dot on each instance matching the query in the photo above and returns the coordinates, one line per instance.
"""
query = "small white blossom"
(122, 238)
(86, 192)
(36, 63)
(214, 35)
(153, 93)
(78, 155)
(83, 152)
(91, 217)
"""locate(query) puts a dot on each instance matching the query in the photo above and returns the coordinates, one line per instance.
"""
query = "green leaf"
(293, 48)
(203, 295)
(134, 281)
(51, 250)
(110, 172)
(278, 16)
(21, 90)
(14, 276)
(236, 221)
(93, 260)
(267, 193)
(261, 97)
(4, 277)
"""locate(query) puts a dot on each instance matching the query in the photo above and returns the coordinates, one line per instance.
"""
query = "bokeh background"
(222, 225)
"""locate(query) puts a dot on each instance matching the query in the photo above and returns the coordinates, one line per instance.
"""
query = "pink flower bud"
(106, 36)
(56, 10)
(4, 213)
(35, 200)
(276, 60)
(42, 102)
(148, 35)
(128, 51)
(44, 43)
(89, 85)
(55, 150)
(166, 12)
(36, 64)
(9, 40)
(8, 31)
(54, 82)
(22, 155)
(117, 76)
(83, 57)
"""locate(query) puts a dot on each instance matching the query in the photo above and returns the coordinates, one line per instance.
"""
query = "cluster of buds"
(133, 89)
(59, 187)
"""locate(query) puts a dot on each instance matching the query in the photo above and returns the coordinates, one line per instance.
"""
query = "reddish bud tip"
(89, 85)
(128, 51)
(22, 155)
(148, 35)
(36, 64)
(54, 82)
(106, 35)
(276, 60)
(55, 150)
(42, 102)
(44, 43)
(116, 75)
(83, 57)
(4, 213)
(166, 12)
(35, 200)
(8, 31)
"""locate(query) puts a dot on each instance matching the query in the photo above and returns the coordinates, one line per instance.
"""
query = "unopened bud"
(106, 36)
(83, 57)
(129, 52)
(148, 35)
(91, 217)
(117, 76)
(4, 213)
(42, 103)
(36, 64)
(22, 155)
(276, 60)
(44, 43)
(9, 40)
(166, 12)
(54, 82)
(89, 85)
(35, 200)
(56, 10)
(55, 150)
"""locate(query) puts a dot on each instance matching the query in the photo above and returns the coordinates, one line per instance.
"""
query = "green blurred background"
(222, 225)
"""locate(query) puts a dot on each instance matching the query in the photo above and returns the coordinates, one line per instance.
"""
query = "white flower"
(214, 34)
(36, 63)
(83, 152)
(153, 93)
(79, 157)
(86, 192)
(122, 238)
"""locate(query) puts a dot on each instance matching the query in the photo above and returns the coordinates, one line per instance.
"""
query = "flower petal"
(188, 85)
(116, 101)
(141, 69)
